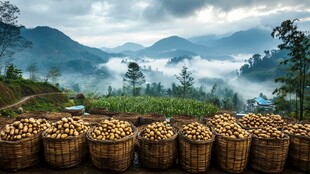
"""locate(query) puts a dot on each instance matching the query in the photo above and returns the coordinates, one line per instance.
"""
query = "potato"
(67, 127)
(198, 132)
(21, 129)
(112, 130)
(258, 121)
(158, 131)
(297, 129)
(235, 130)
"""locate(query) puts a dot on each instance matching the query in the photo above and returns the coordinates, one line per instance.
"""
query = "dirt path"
(23, 100)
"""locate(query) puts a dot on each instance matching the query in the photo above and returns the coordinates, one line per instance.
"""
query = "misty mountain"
(175, 46)
(250, 41)
(125, 48)
(51, 47)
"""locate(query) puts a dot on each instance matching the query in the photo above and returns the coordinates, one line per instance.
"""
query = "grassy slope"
(13, 90)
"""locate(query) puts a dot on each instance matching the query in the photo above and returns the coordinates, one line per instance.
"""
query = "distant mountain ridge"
(250, 41)
(51, 47)
(128, 46)
(175, 46)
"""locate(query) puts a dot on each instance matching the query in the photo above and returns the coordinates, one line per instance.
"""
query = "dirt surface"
(88, 168)
(23, 100)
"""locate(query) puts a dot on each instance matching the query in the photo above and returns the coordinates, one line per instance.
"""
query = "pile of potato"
(298, 129)
(232, 130)
(221, 118)
(267, 132)
(158, 131)
(112, 130)
(257, 121)
(196, 131)
(67, 127)
(23, 129)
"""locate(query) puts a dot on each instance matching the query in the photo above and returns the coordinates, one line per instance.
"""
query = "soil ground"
(88, 168)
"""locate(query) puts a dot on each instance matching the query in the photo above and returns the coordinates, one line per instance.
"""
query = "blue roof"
(262, 101)
(78, 107)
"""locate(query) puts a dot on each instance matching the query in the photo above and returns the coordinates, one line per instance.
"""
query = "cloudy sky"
(111, 23)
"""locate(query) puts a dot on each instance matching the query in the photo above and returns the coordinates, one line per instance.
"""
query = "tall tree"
(186, 80)
(10, 37)
(53, 73)
(134, 77)
(298, 45)
(32, 69)
(13, 73)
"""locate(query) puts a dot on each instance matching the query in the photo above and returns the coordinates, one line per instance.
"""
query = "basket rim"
(90, 138)
(60, 139)
(23, 139)
(196, 141)
(286, 137)
(140, 137)
(234, 139)
(298, 136)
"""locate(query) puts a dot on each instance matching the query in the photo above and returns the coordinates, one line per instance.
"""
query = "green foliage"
(52, 103)
(161, 105)
(297, 77)
(53, 73)
(186, 80)
(134, 77)
(13, 90)
(8, 113)
(13, 73)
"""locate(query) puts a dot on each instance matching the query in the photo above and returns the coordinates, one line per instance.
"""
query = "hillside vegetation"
(12, 91)
(161, 105)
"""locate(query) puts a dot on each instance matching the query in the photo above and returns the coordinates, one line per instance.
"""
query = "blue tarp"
(78, 107)
(262, 101)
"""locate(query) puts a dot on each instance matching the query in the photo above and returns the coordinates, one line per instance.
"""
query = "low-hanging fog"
(160, 70)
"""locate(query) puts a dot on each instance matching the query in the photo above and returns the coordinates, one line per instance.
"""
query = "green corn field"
(161, 105)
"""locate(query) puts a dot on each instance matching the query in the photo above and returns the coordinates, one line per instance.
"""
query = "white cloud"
(112, 22)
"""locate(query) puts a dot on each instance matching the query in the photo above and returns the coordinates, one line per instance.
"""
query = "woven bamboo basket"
(158, 155)
(35, 115)
(299, 152)
(55, 116)
(65, 153)
(269, 155)
(194, 155)
(17, 155)
(232, 154)
(98, 111)
(151, 118)
(112, 155)
(94, 119)
(129, 117)
(179, 120)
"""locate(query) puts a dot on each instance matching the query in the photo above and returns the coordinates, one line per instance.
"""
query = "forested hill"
(264, 67)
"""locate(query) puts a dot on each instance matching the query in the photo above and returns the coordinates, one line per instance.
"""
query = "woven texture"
(194, 155)
(269, 155)
(232, 154)
(16, 155)
(151, 118)
(97, 111)
(299, 152)
(65, 153)
(114, 156)
(129, 117)
(158, 155)
(179, 120)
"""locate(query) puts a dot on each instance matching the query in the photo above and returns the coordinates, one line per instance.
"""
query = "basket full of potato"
(20, 143)
(269, 149)
(232, 145)
(65, 142)
(111, 145)
(299, 152)
(158, 146)
(195, 138)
